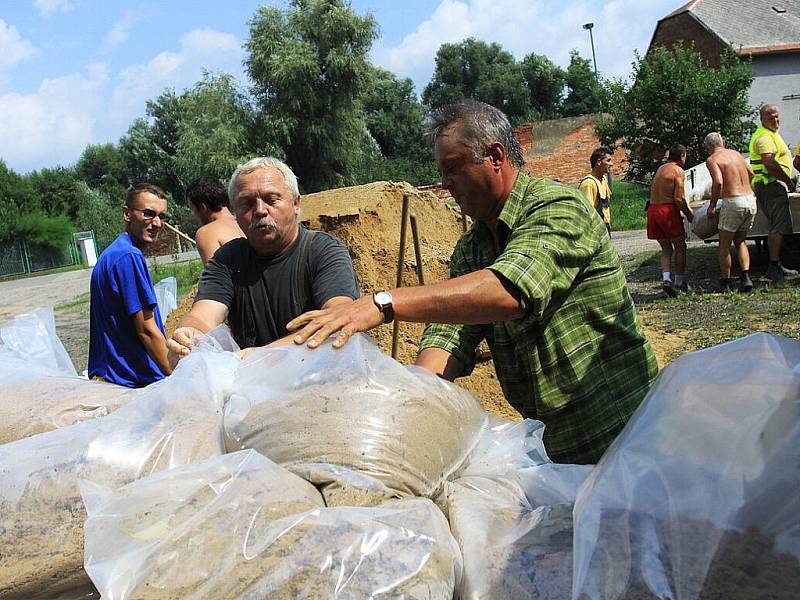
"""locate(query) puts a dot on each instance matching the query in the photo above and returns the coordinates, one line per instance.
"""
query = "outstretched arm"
(479, 297)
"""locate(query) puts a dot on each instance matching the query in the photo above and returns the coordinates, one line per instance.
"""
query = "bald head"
(770, 117)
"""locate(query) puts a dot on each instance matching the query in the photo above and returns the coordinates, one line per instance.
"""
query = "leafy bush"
(38, 228)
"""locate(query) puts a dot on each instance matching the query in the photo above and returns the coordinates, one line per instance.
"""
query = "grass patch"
(703, 317)
(78, 302)
(627, 205)
(187, 273)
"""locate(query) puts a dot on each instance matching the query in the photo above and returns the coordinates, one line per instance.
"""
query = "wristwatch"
(383, 300)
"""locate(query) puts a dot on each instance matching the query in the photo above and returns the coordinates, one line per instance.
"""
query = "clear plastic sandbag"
(511, 512)
(702, 225)
(173, 422)
(240, 526)
(40, 389)
(166, 296)
(699, 496)
(354, 408)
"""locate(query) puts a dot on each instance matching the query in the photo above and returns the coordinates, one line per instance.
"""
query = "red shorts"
(664, 222)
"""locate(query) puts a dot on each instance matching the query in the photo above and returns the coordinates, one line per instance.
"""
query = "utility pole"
(590, 26)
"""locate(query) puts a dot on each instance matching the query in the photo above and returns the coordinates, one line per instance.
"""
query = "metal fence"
(20, 257)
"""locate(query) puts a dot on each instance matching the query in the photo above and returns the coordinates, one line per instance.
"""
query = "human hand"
(345, 319)
(712, 211)
(181, 344)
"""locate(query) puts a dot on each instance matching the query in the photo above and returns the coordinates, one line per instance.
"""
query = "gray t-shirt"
(264, 293)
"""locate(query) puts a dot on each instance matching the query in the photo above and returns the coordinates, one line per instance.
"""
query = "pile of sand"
(367, 219)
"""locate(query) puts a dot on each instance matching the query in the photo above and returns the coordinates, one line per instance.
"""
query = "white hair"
(713, 140)
(264, 162)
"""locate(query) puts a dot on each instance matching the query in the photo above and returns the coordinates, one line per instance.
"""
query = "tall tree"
(545, 81)
(101, 166)
(585, 93)
(216, 128)
(485, 72)
(151, 143)
(395, 118)
(309, 67)
(674, 96)
(57, 191)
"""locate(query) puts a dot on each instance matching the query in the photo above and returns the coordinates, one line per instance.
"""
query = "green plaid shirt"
(578, 361)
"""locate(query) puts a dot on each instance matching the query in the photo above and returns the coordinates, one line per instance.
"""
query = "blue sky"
(74, 72)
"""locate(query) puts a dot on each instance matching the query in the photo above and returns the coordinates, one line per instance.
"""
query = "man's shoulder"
(549, 190)
(322, 240)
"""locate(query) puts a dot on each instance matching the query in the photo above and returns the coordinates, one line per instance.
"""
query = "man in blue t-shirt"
(127, 341)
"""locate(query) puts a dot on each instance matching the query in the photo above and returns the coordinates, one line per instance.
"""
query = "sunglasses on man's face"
(150, 214)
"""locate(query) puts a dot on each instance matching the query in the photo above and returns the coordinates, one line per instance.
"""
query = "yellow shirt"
(598, 193)
(774, 144)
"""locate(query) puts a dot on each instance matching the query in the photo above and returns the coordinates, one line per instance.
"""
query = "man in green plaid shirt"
(537, 277)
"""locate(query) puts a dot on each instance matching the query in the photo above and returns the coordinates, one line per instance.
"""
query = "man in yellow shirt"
(595, 185)
(771, 163)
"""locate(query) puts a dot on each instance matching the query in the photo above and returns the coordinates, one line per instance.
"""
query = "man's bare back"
(216, 233)
(732, 171)
(667, 186)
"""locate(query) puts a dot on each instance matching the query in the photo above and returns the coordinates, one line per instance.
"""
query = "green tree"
(151, 143)
(310, 69)
(57, 191)
(216, 127)
(100, 213)
(676, 97)
(16, 192)
(103, 167)
(42, 229)
(545, 81)
(585, 93)
(485, 72)
(394, 116)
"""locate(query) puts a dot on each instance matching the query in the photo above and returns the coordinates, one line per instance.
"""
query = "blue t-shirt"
(121, 286)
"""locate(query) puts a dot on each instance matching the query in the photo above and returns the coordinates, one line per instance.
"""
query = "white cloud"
(13, 48)
(52, 125)
(525, 26)
(121, 30)
(200, 49)
(51, 7)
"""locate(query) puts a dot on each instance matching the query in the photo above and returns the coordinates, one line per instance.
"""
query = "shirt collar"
(511, 213)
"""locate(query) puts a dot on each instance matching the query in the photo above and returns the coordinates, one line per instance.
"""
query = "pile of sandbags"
(174, 422)
(351, 476)
(240, 526)
(41, 390)
(511, 512)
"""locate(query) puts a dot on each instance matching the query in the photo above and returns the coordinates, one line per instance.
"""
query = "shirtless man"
(664, 224)
(209, 203)
(730, 177)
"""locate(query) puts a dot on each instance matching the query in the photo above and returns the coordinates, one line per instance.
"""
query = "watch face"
(383, 298)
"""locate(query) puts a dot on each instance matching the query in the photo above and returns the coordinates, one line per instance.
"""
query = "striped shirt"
(578, 361)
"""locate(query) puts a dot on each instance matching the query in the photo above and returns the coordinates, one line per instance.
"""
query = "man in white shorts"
(730, 176)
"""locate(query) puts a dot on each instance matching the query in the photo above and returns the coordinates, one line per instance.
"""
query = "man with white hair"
(277, 272)
(730, 180)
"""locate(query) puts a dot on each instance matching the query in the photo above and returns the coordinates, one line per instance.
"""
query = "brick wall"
(559, 150)
(684, 29)
(569, 161)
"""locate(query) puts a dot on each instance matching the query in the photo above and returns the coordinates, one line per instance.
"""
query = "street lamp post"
(590, 26)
